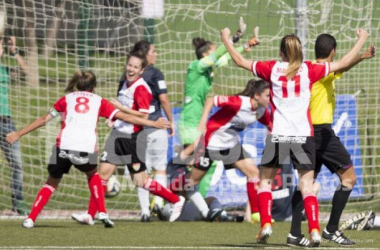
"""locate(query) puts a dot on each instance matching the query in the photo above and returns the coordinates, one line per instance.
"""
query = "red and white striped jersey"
(234, 115)
(290, 98)
(80, 113)
(137, 96)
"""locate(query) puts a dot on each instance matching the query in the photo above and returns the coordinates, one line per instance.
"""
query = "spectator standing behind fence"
(11, 152)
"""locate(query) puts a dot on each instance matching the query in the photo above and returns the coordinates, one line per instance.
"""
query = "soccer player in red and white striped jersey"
(290, 83)
(220, 140)
(125, 145)
(76, 143)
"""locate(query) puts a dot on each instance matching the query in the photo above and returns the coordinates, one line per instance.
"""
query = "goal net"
(56, 38)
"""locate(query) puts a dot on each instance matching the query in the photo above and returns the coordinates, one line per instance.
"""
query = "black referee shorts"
(330, 150)
(280, 150)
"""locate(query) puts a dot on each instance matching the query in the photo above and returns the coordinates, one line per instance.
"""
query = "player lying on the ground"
(221, 138)
(76, 143)
(292, 135)
(329, 149)
(126, 146)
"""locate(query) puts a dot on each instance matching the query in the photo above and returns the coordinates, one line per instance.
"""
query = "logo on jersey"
(136, 166)
(222, 99)
(162, 84)
(74, 159)
(288, 139)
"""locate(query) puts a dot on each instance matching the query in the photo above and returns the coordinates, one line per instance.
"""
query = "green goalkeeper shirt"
(199, 82)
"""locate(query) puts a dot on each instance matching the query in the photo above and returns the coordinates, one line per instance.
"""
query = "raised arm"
(14, 52)
(15, 136)
(235, 55)
(352, 57)
(368, 54)
(223, 61)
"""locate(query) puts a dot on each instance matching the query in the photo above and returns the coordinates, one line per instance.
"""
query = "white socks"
(199, 202)
(143, 195)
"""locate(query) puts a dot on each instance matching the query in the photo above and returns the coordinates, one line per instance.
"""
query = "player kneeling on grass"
(76, 143)
(221, 138)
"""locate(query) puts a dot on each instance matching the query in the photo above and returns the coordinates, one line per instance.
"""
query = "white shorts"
(156, 156)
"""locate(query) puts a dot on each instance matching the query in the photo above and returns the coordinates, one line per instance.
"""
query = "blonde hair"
(291, 48)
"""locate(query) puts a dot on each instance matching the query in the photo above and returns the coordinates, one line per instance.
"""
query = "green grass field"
(184, 21)
(156, 235)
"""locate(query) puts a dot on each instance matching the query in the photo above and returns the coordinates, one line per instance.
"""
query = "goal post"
(58, 37)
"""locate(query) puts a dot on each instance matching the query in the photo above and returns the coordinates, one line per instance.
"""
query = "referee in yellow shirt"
(329, 149)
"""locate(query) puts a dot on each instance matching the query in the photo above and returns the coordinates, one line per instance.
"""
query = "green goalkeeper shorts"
(188, 135)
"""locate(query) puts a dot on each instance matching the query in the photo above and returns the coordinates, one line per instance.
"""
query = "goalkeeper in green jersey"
(199, 82)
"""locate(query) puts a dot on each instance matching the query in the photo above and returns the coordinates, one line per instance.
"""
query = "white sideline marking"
(164, 247)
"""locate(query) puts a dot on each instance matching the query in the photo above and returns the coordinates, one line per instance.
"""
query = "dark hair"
(140, 56)
(254, 87)
(141, 46)
(201, 46)
(291, 49)
(324, 44)
(82, 81)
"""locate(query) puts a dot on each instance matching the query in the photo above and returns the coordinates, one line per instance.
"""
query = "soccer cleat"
(337, 237)
(177, 209)
(103, 217)
(297, 241)
(255, 218)
(354, 222)
(28, 223)
(83, 219)
(264, 234)
(315, 238)
(145, 218)
(158, 211)
(368, 222)
(213, 214)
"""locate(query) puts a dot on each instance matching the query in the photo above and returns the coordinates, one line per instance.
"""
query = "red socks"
(93, 204)
(310, 203)
(42, 198)
(252, 186)
(265, 205)
(157, 189)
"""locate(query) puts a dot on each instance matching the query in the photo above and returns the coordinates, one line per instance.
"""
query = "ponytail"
(292, 50)
(201, 46)
(254, 87)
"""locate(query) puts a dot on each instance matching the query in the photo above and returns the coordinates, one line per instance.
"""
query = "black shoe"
(158, 211)
(145, 218)
(368, 222)
(300, 241)
(213, 214)
(337, 237)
